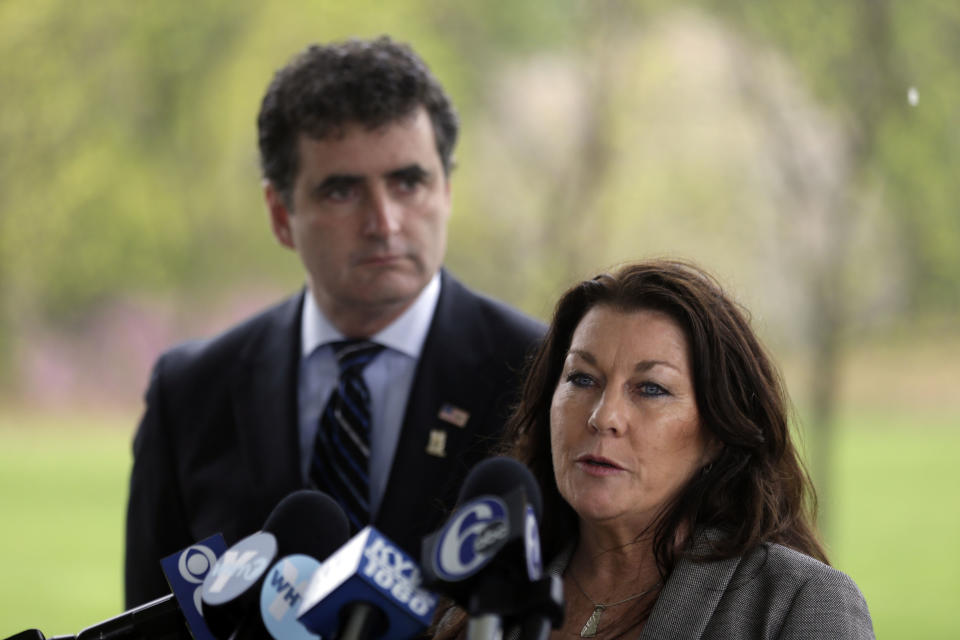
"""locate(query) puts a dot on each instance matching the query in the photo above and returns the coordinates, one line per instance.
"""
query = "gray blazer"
(772, 592)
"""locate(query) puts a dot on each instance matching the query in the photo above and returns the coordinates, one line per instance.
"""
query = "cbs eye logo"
(193, 566)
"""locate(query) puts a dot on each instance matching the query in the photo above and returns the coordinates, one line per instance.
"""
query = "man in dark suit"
(356, 144)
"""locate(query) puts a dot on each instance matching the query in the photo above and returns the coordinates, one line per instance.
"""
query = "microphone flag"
(369, 568)
(185, 571)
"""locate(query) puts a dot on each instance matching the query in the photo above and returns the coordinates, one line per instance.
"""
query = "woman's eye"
(578, 379)
(652, 389)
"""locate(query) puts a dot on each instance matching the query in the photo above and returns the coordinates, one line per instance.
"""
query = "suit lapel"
(433, 451)
(690, 596)
(264, 404)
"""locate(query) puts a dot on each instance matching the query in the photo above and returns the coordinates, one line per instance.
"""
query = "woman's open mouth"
(598, 465)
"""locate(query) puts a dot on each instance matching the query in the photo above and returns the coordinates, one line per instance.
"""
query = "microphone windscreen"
(308, 522)
(499, 476)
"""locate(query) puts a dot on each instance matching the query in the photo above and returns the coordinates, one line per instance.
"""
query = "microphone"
(185, 572)
(305, 521)
(368, 589)
(302, 522)
(158, 619)
(282, 594)
(284, 586)
(170, 616)
(487, 555)
(36, 634)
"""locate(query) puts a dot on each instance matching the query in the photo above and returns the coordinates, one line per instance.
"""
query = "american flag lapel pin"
(437, 444)
(454, 415)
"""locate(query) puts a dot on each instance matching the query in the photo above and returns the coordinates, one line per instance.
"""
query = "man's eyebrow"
(337, 180)
(409, 172)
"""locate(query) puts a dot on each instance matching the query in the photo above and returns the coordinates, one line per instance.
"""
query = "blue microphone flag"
(369, 568)
(185, 571)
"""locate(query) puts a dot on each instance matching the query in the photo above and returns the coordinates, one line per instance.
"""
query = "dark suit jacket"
(217, 446)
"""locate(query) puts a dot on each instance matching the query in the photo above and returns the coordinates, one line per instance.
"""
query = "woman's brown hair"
(756, 490)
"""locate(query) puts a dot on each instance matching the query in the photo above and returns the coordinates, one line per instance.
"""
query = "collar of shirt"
(406, 334)
(389, 378)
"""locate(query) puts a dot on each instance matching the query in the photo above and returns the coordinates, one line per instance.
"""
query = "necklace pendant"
(593, 623)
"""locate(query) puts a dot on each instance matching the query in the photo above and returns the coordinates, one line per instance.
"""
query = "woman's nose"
(609, 416)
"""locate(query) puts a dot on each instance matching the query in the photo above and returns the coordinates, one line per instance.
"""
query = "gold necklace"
(592, 626)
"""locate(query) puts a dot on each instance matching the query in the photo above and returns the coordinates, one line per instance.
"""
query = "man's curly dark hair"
(325, 87)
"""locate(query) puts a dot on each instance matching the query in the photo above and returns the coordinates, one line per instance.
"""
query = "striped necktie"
(341, 451)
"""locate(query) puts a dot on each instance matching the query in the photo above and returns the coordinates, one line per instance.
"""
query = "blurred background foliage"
(806, 152)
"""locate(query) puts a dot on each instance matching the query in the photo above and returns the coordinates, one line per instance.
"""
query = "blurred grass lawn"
(893, 519)
(62, 494)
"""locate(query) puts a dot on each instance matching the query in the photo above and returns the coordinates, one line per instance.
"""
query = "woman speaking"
(675, 502)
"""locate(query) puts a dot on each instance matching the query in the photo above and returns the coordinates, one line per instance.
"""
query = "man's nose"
(383, 214)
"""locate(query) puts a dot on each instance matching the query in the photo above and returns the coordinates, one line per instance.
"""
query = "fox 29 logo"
(471, 538)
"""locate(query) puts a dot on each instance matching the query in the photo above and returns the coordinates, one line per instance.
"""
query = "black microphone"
(487, 555)
(305, 521)
(172, 617)
(165, 618)
(302, 551)
(158, 619)
(36, 634)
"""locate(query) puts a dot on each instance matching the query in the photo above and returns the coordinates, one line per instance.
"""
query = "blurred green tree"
(589, 136)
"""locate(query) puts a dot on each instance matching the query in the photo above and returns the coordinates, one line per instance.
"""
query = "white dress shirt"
(389, 378)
